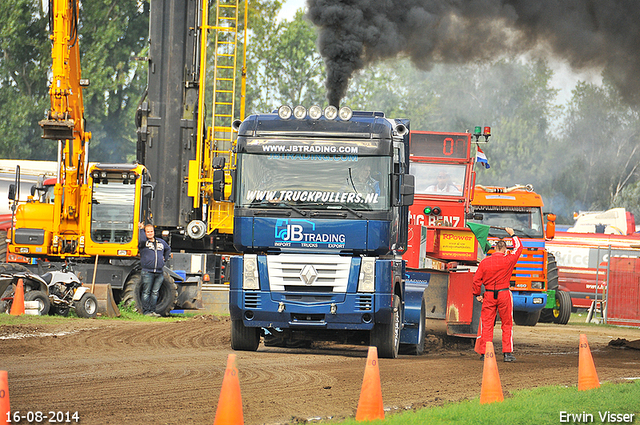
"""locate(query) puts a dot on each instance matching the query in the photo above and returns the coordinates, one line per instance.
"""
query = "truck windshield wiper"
(351, 210)
(298, 210)
(523, 232)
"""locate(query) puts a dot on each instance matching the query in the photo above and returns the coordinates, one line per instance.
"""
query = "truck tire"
(386, 336)
(87, 307)
(522, 318)
(562, 313)
(244, 338)
(547, 315)
(43, 301)
(167, 296)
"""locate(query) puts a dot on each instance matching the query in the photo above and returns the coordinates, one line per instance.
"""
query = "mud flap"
(414, 296)
(106, 304)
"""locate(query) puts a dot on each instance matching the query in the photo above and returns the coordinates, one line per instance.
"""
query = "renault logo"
(308, 274)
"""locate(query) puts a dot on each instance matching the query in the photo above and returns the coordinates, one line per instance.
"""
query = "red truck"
(583, 252)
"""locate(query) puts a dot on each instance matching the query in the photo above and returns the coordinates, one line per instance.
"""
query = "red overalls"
(494, 273)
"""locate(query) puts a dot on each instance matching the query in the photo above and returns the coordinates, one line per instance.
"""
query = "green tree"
(111, 35)
(283, 64)
(24, 47)
(601, 148)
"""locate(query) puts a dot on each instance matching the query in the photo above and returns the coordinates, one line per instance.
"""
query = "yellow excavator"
(87, 222)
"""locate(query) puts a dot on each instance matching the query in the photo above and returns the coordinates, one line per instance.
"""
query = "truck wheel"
(41, 298)
(386, 336)
(522, 318)
(547, 315)
(87, 307)
(562, 312)
(167, 296)
(244, 338)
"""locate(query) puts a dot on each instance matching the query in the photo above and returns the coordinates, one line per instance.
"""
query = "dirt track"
(121, 372)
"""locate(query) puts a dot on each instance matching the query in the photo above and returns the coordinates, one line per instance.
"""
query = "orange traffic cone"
(370, 404)
(4, 396)
(17, 307)
(229, 411)
(491, 389)
(587, 376)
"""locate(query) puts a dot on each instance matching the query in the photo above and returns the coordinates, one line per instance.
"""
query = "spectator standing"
(154, 252)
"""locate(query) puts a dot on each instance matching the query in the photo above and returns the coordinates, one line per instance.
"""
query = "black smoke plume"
(585, 33)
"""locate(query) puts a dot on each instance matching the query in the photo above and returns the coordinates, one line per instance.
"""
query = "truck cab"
(321, 210)
(535, 280)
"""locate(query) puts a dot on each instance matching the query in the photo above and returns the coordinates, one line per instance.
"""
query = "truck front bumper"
(529, 302)
(354, 311)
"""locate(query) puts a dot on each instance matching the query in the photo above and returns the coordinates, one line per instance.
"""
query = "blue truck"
(321, 203)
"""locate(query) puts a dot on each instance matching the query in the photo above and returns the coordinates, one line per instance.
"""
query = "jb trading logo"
(303, 233)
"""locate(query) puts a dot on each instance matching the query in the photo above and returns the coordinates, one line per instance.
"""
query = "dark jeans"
(151, 283)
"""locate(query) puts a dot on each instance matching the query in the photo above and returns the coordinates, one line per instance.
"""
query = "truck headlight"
(537, 285)
(537, 300)
(366, 280)
(250, 272)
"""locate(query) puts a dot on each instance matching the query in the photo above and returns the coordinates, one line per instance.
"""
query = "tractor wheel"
(87, 307)
(57, 310)
(386, 336)
(167, 296)
(43, 301)
(244, 338)
(562, 312)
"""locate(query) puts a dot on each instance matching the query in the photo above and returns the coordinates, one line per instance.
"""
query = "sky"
(564, 78)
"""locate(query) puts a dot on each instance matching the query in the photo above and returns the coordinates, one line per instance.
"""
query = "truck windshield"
(317, 181)
(112, 208)
(525, 221)
(439, 179)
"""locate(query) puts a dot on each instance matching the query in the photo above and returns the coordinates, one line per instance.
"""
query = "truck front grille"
(308, 273)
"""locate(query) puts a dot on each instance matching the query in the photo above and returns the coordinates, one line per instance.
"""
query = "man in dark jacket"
(494, 273)
(153, 254)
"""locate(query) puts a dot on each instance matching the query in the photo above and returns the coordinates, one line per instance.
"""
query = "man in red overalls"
(494, 273)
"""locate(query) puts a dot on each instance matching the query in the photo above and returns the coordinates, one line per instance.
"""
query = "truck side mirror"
(218, 185)
(408, 189)
(551, 226)
(12, 192)
(403, 189)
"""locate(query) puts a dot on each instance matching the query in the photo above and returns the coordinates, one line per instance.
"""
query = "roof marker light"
(284, 112)
(315, 112)
(299, 112)
(345, 113)
(330, 112)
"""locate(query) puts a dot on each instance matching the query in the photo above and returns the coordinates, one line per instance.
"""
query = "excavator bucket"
(106, 305)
